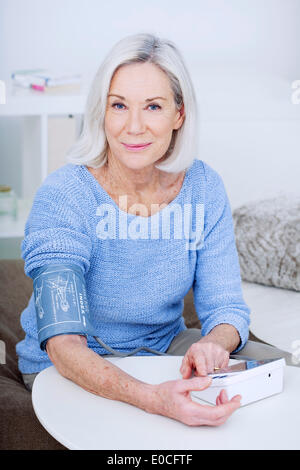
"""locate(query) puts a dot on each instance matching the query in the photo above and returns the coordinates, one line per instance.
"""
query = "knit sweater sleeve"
(56, 230)
(217, 286)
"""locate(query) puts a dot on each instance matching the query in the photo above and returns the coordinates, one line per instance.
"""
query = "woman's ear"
(180, 115)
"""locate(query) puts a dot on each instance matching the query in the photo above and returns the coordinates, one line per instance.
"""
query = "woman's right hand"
(173, 399)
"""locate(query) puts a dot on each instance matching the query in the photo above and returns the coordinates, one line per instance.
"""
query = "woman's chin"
(137, 162)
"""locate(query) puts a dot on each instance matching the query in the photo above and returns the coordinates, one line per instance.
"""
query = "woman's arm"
(224, 335)
(75, 361)
(218, 296)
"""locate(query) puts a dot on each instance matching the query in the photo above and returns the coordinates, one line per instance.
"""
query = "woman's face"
(140, 110)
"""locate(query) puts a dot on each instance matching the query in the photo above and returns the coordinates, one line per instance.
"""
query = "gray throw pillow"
(267, 236)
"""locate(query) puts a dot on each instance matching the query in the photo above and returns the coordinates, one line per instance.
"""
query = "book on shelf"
(46, 81)
(72, 88)
(25, 78)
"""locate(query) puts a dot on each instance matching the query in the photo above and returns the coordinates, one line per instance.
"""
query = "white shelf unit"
(34, 109)
(14, 227)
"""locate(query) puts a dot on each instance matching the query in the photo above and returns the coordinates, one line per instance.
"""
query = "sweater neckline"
(98, 187)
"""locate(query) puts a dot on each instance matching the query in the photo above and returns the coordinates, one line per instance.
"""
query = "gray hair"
(91, 147)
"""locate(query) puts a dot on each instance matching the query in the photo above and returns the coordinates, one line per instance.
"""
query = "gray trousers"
(186, 338)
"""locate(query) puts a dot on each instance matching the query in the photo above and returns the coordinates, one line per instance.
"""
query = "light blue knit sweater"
(136, 281)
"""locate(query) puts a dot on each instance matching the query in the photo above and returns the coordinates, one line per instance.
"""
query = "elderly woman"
(118, 236)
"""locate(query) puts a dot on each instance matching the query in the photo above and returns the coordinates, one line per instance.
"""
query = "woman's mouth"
(136, 147)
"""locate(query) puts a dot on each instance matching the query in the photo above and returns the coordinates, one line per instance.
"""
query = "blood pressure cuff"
(60, 302)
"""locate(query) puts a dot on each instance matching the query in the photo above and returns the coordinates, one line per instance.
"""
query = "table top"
(82, 420)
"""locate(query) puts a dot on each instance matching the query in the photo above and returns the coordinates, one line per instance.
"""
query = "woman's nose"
(135, 123)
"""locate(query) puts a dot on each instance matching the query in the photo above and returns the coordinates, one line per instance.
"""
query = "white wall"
(243, 56)
(76, 35)
(255, 159)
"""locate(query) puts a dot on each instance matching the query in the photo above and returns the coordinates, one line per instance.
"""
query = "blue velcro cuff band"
(60, 302)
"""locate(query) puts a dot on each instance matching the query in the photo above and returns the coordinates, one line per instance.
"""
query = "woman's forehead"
(143, 80)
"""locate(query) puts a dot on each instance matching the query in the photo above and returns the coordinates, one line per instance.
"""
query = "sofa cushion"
(16, 289)
(267, 236)
(191, 319)
(19, 427)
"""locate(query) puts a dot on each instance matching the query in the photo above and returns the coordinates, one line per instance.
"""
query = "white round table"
(82, 420)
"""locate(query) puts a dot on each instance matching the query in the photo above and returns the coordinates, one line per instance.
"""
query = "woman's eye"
(116, 105)
(155, 106)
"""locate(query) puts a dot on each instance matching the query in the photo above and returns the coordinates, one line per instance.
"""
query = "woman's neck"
(146, 181)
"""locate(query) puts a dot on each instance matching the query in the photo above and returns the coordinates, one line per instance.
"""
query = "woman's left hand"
(203, 357)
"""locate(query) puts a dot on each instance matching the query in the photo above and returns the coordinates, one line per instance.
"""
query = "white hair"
(91, 147)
